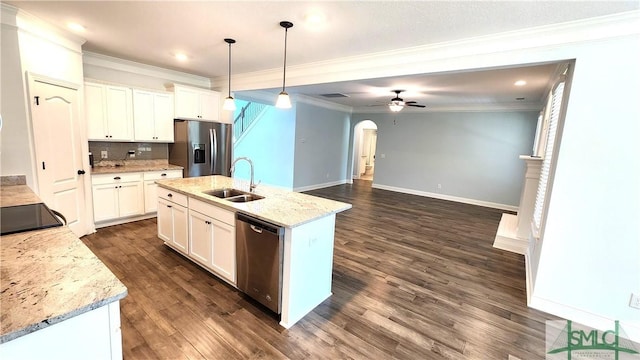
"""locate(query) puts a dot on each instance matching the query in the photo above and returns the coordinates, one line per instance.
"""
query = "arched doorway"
(365, 137)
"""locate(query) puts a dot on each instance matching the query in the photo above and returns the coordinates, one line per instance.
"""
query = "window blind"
(543, 184)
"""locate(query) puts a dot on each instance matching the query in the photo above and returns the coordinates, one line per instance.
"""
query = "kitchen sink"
(244, 198)
(225, 193)
(233, 195)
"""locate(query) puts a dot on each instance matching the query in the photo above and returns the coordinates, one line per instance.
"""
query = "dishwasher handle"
(260, 226)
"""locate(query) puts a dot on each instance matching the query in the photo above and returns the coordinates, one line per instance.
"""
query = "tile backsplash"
(119, 151)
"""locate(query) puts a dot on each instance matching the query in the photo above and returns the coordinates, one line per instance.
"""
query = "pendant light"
(284, 102)
(229, 103)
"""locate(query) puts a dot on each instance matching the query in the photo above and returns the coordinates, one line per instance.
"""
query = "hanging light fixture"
(229, 103)
(284, 102)
(396, 103)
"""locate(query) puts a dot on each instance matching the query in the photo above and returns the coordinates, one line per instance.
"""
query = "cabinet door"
(223, 260)
(143, 116)
(105, 202)
(165, 220)
(200, 237)
(163, 117)
(187, 103)
(209, 104)
(150, 196)
(130, 199)
(95, 112)
(180, 228)
(119, 113)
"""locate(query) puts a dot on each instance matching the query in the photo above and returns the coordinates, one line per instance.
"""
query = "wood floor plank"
(413, 278)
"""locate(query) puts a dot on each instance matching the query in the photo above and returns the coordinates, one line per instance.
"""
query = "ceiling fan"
(397, 103)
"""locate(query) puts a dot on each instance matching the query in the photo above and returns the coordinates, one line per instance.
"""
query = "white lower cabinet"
(117, 195)
(151, 188)
(211, 234)
(172, 220)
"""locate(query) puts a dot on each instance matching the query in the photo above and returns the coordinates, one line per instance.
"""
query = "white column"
(528, 195)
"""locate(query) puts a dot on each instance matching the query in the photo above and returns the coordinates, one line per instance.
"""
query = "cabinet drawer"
(214, 212)
(165, 174)
(115, 178)
(172, 196)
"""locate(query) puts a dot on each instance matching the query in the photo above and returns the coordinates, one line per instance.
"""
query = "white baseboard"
(447, 197)
(125, 220)
(506, 238)
(632, 329)
(319, 186)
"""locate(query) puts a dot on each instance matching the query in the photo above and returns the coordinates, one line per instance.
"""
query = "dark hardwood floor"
(413, 278)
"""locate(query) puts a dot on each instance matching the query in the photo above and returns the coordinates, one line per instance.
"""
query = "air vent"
(334, 95)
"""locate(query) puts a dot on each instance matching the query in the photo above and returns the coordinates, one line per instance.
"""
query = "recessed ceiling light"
(315, 20)
(181, 57)
(76, 27)
(520, 83)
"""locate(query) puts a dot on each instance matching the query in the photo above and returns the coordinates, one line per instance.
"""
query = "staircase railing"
(247, 115)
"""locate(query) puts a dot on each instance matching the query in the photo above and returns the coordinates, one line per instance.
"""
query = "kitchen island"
(58, 299)
(308, 222)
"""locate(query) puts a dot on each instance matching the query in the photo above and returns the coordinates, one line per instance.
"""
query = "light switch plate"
(635, 301)
(104, 154)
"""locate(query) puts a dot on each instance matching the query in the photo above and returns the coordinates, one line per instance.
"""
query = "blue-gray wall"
(473, 155)
(321, 146)
(269, 143)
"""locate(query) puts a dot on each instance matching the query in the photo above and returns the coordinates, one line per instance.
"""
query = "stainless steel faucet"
(252, 186)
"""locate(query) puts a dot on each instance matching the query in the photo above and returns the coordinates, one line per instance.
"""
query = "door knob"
(81, 172)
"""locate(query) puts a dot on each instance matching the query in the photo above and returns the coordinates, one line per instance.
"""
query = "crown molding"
(538, 44)
(497, 107)
(114, 63)
(34, 26)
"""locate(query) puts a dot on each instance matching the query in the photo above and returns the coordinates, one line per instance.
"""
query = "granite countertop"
(281, 207)
(113, 167)
(48, 276)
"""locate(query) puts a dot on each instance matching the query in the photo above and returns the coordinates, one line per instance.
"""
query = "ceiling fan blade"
(415, 105)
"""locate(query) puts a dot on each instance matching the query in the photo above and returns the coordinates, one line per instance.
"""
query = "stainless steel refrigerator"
(201, 147)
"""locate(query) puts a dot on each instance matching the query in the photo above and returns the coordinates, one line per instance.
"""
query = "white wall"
(472, 155)
(30, 46)
(321, 146)
(589, 260)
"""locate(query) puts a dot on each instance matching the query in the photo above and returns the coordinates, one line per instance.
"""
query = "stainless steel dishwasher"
(259, 252)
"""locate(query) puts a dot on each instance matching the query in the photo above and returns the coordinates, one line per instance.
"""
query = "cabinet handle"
(163, 175)
(169, 195)
(116, 178)
(168, 206)
(207, 222)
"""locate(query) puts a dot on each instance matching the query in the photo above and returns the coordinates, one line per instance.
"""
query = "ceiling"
(152, 32)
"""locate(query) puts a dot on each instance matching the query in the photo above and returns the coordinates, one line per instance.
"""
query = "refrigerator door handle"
(213, 138)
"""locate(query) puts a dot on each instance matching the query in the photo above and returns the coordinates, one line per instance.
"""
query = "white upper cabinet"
(195, 103)
(109, 112)
(152, 116)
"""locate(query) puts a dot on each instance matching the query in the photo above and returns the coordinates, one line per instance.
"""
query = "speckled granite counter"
(112, 167)
(280, 207)
(48, 276)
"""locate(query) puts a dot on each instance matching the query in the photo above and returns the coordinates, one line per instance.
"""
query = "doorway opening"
(365, 137)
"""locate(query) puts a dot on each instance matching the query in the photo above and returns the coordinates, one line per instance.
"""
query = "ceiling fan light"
(284, 101)
(229, 104)
(395, 107)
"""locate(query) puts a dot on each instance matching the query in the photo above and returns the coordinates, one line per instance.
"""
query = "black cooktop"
(15, 219)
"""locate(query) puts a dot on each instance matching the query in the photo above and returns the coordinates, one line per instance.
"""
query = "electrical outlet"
(104, 154)
(439, 186)
(635, 301)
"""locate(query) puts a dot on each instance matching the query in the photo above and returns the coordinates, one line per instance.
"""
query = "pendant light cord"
(229, 69)
(284, 73)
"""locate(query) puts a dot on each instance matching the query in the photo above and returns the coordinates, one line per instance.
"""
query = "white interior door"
(58, 145)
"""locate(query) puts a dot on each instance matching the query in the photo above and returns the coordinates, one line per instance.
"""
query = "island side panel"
(307, 268)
